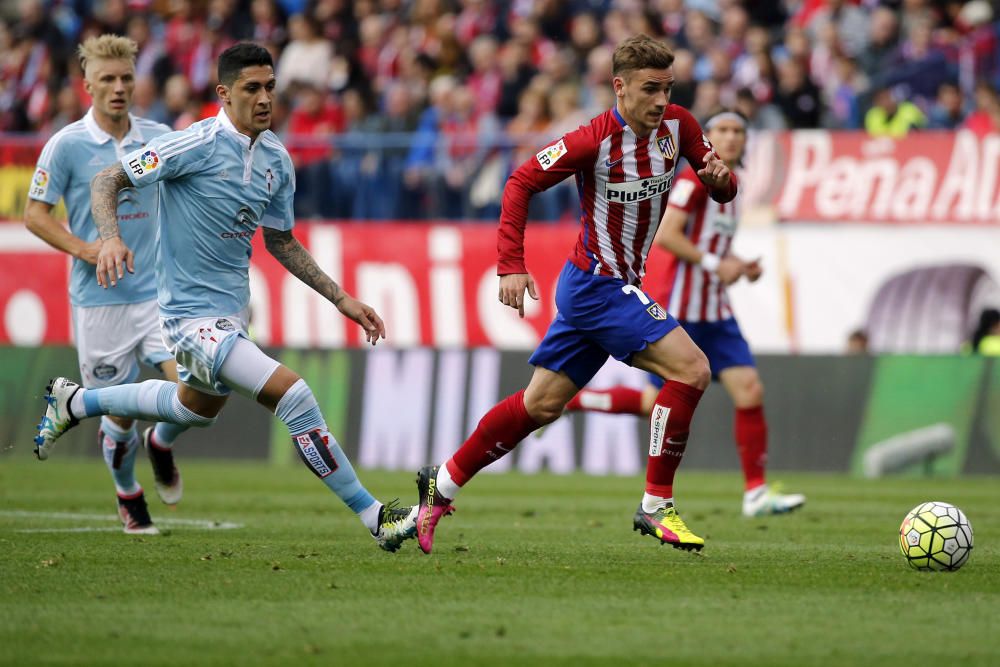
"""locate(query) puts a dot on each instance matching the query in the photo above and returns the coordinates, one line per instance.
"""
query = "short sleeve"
(280, 213)
(168, 156)
(52, 172)
(694, 144)
(688, 193)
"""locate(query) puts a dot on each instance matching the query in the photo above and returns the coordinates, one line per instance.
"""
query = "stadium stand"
(432, 103)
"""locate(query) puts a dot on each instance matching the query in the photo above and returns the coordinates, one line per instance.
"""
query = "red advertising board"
(432, 284)
(928, 177)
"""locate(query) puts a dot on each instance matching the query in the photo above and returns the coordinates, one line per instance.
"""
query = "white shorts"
(112, 340)
(200, 345)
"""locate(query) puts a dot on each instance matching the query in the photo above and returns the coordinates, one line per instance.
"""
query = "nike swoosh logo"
(608, 163)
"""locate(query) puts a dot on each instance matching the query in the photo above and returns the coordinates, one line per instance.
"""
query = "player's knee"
(697, 372)
(191, 415)
(751, 394)
(190, 418)
(124, 423)
(200, 421)
(755, 392)
(544, 409)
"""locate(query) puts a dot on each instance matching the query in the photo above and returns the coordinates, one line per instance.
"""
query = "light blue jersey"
(216, 188)
(69, 161)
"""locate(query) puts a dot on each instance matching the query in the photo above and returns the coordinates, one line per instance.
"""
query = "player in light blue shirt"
(219, 181)
(113, 329)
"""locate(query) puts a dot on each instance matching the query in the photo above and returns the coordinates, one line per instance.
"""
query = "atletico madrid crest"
(667, 145)
(657, 312)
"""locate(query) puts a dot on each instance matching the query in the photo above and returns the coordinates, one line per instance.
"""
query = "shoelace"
(393, 514)
(670, 517)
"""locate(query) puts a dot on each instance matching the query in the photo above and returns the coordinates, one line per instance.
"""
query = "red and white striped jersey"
(694, 294)
(623, 181)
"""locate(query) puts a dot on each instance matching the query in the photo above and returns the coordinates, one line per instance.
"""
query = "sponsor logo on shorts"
(224, 325)
(657, 312)
(631, 192)
(144, 163)
(105, 371)
(657, 429)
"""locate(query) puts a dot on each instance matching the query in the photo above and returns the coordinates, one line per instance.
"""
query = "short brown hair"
(641, 52)
(107, 47)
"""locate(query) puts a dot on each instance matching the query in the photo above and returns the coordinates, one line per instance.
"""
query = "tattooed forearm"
(287, 250)
(104, 191)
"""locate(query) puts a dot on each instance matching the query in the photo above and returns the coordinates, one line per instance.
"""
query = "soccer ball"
(936, 536)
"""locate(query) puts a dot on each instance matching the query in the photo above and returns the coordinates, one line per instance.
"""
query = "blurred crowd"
(420, 108)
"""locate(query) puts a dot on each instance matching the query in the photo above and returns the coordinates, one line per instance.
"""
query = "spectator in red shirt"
(985, 118)
(313, 121)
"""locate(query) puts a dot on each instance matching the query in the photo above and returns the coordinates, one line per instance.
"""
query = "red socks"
(668, 434)
(616, 400)
(751, 442)
(498, 432)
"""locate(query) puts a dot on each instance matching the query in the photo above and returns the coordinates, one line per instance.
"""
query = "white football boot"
(764, 501)
(57, 418)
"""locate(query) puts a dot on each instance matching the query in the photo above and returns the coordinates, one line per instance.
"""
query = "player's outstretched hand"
(364, 315)
(512, 288)
(754, 270)
(715, 174)
(112, 262)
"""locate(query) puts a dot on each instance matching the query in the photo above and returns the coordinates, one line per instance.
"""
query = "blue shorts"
(722, 342)
(598, 316)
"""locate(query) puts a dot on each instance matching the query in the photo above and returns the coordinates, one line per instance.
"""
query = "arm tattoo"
(104, 191)
(287, 250)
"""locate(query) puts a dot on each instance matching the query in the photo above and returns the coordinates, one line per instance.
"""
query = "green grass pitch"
(537, 570)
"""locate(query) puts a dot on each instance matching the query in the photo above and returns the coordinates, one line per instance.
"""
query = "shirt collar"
(101, 137)
(226, 125)
(618, 117)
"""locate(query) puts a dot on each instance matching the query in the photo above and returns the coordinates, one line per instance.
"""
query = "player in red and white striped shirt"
(624, 163)
(698, 232)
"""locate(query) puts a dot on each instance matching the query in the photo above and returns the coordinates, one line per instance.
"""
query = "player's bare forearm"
(679, 246)
(286, 249)
(39, 221)
(670, 236)
(104, 191)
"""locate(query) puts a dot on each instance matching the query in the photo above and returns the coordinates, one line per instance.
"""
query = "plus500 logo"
(636, 191)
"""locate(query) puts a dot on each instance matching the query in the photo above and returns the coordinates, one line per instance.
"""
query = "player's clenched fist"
(112, 262)
(512, 288)
(715, 173)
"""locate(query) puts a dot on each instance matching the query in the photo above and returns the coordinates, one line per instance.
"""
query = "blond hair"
(641, 52)
(107, 47)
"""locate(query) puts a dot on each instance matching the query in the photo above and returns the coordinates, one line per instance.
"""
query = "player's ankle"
(446, 486)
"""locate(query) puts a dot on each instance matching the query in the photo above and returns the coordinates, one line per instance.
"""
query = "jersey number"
(632, 289)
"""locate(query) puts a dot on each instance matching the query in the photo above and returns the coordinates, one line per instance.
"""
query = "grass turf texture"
(531, 570)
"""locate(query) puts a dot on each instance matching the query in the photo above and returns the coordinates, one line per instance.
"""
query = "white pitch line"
(203, 524)
(92, 529)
